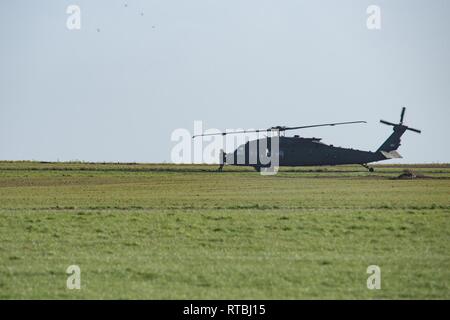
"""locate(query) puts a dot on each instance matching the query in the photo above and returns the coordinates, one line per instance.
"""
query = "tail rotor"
(400, 125)
(389, 147)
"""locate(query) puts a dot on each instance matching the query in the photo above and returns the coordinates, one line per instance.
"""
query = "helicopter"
(299, 151)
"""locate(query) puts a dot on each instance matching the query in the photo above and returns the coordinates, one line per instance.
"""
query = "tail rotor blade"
(402, 115)
(388, 123)
(415, 130)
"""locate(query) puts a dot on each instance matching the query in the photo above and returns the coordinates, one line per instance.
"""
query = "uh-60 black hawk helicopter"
(299, 151)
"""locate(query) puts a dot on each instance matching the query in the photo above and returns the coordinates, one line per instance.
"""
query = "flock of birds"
(126, 6)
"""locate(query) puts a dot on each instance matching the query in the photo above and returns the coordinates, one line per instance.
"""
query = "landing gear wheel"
(368, 168)
(222, 160)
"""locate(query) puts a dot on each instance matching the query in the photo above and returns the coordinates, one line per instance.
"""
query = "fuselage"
(298, 151)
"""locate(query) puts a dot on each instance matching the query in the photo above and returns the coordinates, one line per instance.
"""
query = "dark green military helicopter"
(299, 151)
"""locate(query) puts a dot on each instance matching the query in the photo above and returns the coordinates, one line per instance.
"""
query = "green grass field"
(186, 232)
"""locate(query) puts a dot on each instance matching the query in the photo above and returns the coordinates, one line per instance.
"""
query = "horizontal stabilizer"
(391, 154)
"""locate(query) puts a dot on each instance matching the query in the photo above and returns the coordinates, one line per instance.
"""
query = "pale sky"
(117, 88)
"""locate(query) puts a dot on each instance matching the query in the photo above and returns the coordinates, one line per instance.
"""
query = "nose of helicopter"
(227, 158)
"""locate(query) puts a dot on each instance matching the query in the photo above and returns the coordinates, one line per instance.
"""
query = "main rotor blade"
(321, 125)
(277, 129)
(388, 123)
(226, 133)
(415, 130)
(402, 115)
